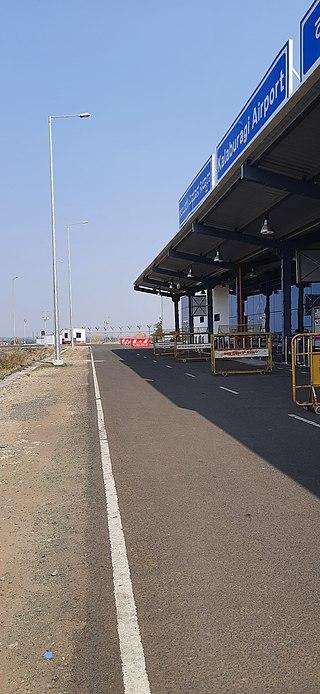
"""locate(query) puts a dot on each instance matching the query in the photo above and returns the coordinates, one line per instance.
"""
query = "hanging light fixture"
(178, 285)
(217, 258)
(252, 273)
(171, 285)
(265, 229)
(189, 275)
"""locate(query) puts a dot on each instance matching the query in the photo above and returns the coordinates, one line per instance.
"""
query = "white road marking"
(168, 367)
(191, 375)
(97, 361)
(235, 392)
(135, 678)
(302, 419)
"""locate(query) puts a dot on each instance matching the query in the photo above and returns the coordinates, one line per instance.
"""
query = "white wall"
(47, 340)
(168, 313)
(220, 302)
(221, 305)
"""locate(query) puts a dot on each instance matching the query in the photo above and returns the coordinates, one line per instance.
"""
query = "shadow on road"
(257, 417)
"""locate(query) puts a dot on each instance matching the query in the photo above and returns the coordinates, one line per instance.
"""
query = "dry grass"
(16, 358)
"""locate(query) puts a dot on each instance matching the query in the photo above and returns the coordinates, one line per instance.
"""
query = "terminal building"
(248, 241)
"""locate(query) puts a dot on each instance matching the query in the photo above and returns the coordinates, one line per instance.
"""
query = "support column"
(176, 313)
(210, 310)
(191, 321)
(267, 312)
(300, 308)
(286, 303)
(240, 298)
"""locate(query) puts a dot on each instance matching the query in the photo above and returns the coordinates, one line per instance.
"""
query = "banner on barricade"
(138, 342)
(239, 353)
(135, 342)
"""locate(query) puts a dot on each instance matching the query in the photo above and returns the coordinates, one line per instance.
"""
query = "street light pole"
(57, 358)
(24, 330)
(14, 309)
(85, 221)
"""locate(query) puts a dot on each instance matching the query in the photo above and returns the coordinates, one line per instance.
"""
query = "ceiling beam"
(226, 278)
(175, 273)
(162, 287)
(156, 283)
(147, 290)
(232, 235)
(201, 260)
(279, 181)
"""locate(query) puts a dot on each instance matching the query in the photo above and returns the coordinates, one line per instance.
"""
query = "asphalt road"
(218, 495)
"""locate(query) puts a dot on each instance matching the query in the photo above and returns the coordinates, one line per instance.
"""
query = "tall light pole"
(85, 221)
(24, 330)
(14, 309)
(57, 359)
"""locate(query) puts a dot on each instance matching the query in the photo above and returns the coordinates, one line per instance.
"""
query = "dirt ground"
(55, 572)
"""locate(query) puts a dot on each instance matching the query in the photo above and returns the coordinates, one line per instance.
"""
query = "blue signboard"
(269, 96)
(310, 39)
(198, 190)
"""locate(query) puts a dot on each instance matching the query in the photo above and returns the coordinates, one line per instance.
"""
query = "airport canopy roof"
(278, 175)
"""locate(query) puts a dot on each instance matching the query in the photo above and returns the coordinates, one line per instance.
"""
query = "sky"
(163, 82)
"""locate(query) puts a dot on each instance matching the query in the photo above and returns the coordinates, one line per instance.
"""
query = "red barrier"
(135, 342)
(138, 342)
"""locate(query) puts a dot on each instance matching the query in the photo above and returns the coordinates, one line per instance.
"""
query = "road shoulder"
(56, 578)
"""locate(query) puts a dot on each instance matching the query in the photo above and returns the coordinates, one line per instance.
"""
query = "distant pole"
(24, 330)
(70, 288)
(85, 221)
(57, 357)
(14, 309)
(45, 318)
(161, 306)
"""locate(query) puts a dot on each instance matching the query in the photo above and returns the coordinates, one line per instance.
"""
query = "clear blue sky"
(163, 81)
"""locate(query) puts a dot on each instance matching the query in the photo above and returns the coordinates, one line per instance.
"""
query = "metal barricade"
(164, 344)
(305, 360)
(242, 350)
(192, 346)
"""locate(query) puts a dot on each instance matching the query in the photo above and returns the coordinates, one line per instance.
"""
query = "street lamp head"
(84, 115)
(80, 221)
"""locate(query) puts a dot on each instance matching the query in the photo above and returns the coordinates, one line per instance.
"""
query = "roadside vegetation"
(17, 358)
